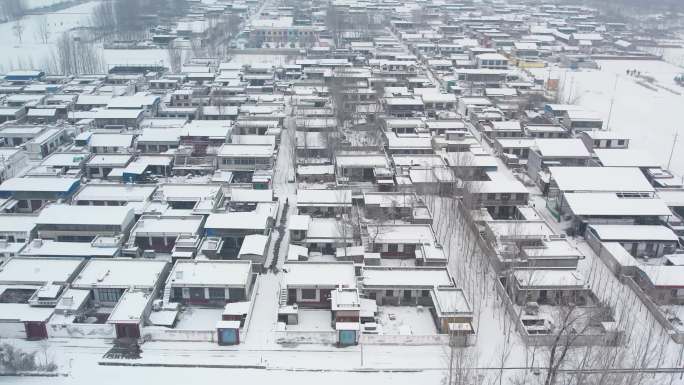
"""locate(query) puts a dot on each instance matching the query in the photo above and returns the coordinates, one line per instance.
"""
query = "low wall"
(305, 337)
(377, 339)
(12, 330)
(80, 330)
(163, 334)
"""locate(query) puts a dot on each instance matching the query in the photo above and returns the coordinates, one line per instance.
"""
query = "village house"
(32, 193)
(555, 153)
(323, 203)
(122, 291)
(208, 283)
(641, 241)
(67, 223)
(29, 290)
(310, 284)
(160, 233)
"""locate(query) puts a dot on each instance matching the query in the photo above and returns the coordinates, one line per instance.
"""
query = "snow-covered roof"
(114, 192)
(32, 270)
(99, 139)
(120, 273)
(664, 276)
(320, 275)
(17, 223)
(110, 159)
(250, 220)
(246, 150)
(50, 248)
(323, 197)
(118, 114)
(498, 183)
(562, 148)
(39, 184)
(362, 161)
(634, 233)
(606, 179)
(298, 222)
(208, 128)
(64, 159)
(417, 234)
(513, 229)
(250, 195)
(392, 277)
(449, 301)
(131, 307)
(59, 214)
(216, 273)
(610, 204)
(539, 279)
(254, 244)
(627, 157)
(22, 312)
(187, 191)
(132, 101)
(151, 225)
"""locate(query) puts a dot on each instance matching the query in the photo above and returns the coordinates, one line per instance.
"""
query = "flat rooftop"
(606, 179)
(323, 274)
(31, 270)
(211, 274)
(114, 192)
(120, 273)
(389, 277)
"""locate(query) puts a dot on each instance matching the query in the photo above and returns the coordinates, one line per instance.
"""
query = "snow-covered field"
(649, 117)
(32, 52)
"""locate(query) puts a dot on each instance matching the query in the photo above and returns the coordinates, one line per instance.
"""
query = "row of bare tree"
(11, 9)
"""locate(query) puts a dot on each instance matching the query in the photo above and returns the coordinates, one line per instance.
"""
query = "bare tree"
(103, 18)
(71, 57)
(18, 30)
(43, 29)
(175, 55)
(11, 9)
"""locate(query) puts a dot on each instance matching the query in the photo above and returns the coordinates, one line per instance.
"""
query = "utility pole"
(674, 143)
(612, 101)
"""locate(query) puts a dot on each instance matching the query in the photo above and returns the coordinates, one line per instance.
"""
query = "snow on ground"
(649, 117)
(32, 52)
(406, 320)
(195, 318)
(313, 320)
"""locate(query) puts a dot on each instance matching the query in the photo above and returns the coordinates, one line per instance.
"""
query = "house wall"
(321, 299)
(201, 295)
(400, 296)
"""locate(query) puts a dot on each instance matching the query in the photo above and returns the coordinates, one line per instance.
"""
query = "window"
(217, 293)
(389, 293)
(621, 142)
(308, 294)
(108, 295)
(425, 293)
